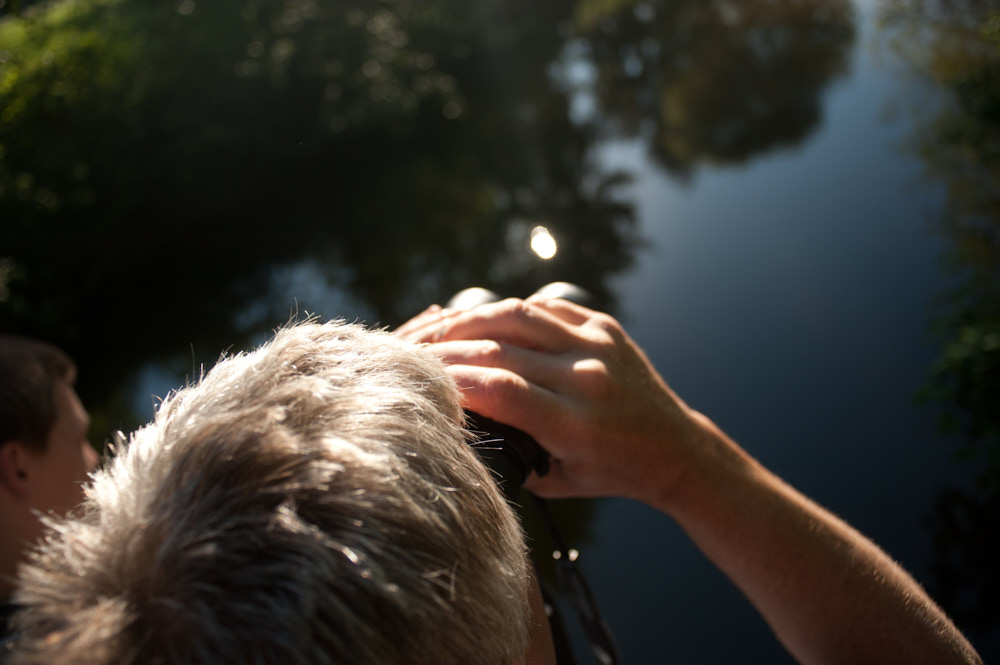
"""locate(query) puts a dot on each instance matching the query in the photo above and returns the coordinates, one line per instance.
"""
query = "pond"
(790, 204)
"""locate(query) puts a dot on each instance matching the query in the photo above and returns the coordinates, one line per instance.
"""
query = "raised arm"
(574, 380)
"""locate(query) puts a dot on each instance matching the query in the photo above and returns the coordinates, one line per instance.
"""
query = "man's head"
(44, 453)
(313, 501)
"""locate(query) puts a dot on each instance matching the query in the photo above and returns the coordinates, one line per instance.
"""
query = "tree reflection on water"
(955, 46)
(160, 161)
(178, 175)
(720, 81)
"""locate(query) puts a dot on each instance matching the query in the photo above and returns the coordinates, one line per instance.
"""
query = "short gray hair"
(313, 501)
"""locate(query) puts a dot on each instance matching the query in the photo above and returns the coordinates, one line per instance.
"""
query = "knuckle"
(589, 369)
(514, 307)
(607, 324)
(593, 376)
(491, 352)
(500, 388)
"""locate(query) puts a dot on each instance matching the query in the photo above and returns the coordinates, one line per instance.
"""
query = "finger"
(510, 399)
(553, 485)
(514, 321)
(567, 479)
(419, 320)
(536, 367)
(424, 326)
(546, 416)
(587, 323)
(568, 311)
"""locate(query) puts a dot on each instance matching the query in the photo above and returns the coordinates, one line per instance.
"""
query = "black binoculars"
(510, 454)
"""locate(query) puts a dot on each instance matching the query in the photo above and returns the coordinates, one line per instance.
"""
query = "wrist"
(707, 461)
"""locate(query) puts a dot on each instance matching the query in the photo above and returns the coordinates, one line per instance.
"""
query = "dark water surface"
(790, 204)
(790, 299)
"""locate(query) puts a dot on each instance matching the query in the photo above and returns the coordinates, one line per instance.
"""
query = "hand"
(574, 380)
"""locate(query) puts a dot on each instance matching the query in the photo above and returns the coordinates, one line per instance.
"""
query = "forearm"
(829, 594)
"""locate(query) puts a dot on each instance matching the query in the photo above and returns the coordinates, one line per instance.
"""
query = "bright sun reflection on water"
(542, 242)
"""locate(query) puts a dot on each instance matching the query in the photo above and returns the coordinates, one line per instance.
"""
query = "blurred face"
(59, 473)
